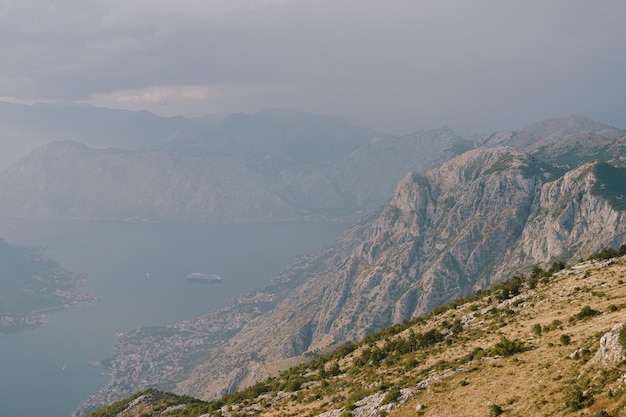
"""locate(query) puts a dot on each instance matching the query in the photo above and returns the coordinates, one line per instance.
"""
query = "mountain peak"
(548, 131)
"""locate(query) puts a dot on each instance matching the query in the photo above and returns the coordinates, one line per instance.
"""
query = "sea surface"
(138, 270)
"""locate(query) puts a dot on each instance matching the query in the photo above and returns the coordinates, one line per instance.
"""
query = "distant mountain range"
(24, 127)
(276, 165)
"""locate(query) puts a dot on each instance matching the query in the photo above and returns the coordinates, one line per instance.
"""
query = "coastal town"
(146, 357)
(34, 286)
(73, 298)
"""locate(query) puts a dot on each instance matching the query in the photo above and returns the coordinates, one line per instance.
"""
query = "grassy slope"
(541, 373)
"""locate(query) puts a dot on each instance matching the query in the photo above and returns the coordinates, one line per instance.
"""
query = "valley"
(464, 215)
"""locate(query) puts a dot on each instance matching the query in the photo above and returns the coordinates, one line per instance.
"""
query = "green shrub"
(334, 369)
(606, 253)
(506, 347)
(556, 324)
(585, 313)
(537, 329)
(495, 410)
(409, 363)
(475, 355)
(391, 396)
(293, 385)
(556, 267)
(574, 398)
(565, 339)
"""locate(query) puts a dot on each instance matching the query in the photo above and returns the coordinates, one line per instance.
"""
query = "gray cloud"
(397, 65)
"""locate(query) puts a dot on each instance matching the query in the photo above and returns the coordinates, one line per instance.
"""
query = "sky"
(394, 65)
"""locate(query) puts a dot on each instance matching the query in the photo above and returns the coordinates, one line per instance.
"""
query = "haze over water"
(138, 269)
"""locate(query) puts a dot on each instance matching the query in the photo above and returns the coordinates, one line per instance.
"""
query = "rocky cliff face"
(569, 220)
(449, 232)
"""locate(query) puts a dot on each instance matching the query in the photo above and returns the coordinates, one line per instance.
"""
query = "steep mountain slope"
(551, 343)
(459, 228)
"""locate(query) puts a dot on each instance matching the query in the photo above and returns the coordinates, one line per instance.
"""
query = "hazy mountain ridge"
(24, 127)
(550, 343)
(548, 131)
(277, 165)
(292, 165)
(566, 142)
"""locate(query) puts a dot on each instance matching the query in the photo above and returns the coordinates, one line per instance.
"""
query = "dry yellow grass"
(557, 354)
(533, 383)
(530, 383)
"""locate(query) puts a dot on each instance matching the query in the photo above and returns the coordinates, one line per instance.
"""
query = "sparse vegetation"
(495, 410)
(433, 350)
(575, 398)
(391, 396)
(585, 313)
(506, 347)
(608, 253)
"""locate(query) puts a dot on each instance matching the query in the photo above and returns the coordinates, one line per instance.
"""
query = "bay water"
(138, 270)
